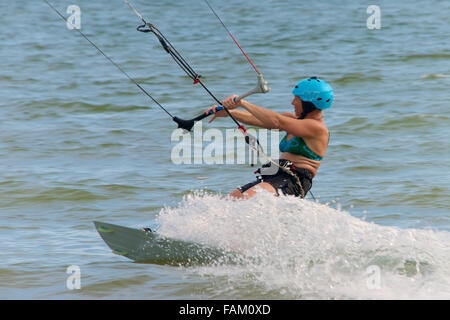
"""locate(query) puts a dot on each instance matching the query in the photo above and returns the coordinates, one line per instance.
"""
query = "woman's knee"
(236, 193)
(265, 186)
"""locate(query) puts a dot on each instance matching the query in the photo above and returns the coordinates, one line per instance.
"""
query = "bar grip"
(261, 87)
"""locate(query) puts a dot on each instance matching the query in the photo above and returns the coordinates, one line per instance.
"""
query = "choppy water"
(79, 142)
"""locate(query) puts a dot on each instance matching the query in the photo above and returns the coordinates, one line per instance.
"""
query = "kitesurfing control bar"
(188, 124)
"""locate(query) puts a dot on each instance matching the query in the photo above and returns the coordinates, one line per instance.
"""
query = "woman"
(302, 148)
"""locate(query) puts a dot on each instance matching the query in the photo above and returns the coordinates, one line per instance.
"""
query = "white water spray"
(294, 248)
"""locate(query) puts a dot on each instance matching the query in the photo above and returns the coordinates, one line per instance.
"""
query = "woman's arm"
(273, 120)
(242, 116)
(247, 118)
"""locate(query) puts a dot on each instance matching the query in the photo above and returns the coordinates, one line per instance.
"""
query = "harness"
(287, 167)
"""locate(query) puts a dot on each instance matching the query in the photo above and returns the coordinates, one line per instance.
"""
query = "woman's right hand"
(230, 103)
(220, 113)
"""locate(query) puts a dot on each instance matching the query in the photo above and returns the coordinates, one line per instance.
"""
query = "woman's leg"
(236, 193)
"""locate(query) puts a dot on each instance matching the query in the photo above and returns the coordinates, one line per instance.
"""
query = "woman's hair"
(307, 108)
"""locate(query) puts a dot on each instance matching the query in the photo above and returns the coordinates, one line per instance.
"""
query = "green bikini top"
(297, 145)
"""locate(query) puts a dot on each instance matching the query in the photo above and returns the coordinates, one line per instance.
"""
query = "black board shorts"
(284, 181)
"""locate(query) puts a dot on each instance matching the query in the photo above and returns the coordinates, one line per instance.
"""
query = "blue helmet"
(315, 91)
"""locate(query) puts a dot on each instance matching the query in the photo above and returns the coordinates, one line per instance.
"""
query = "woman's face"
(297, 103)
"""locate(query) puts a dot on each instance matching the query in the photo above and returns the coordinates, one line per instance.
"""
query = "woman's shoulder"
(309, 128)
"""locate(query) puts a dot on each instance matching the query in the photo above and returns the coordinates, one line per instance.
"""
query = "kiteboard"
(150, 247)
